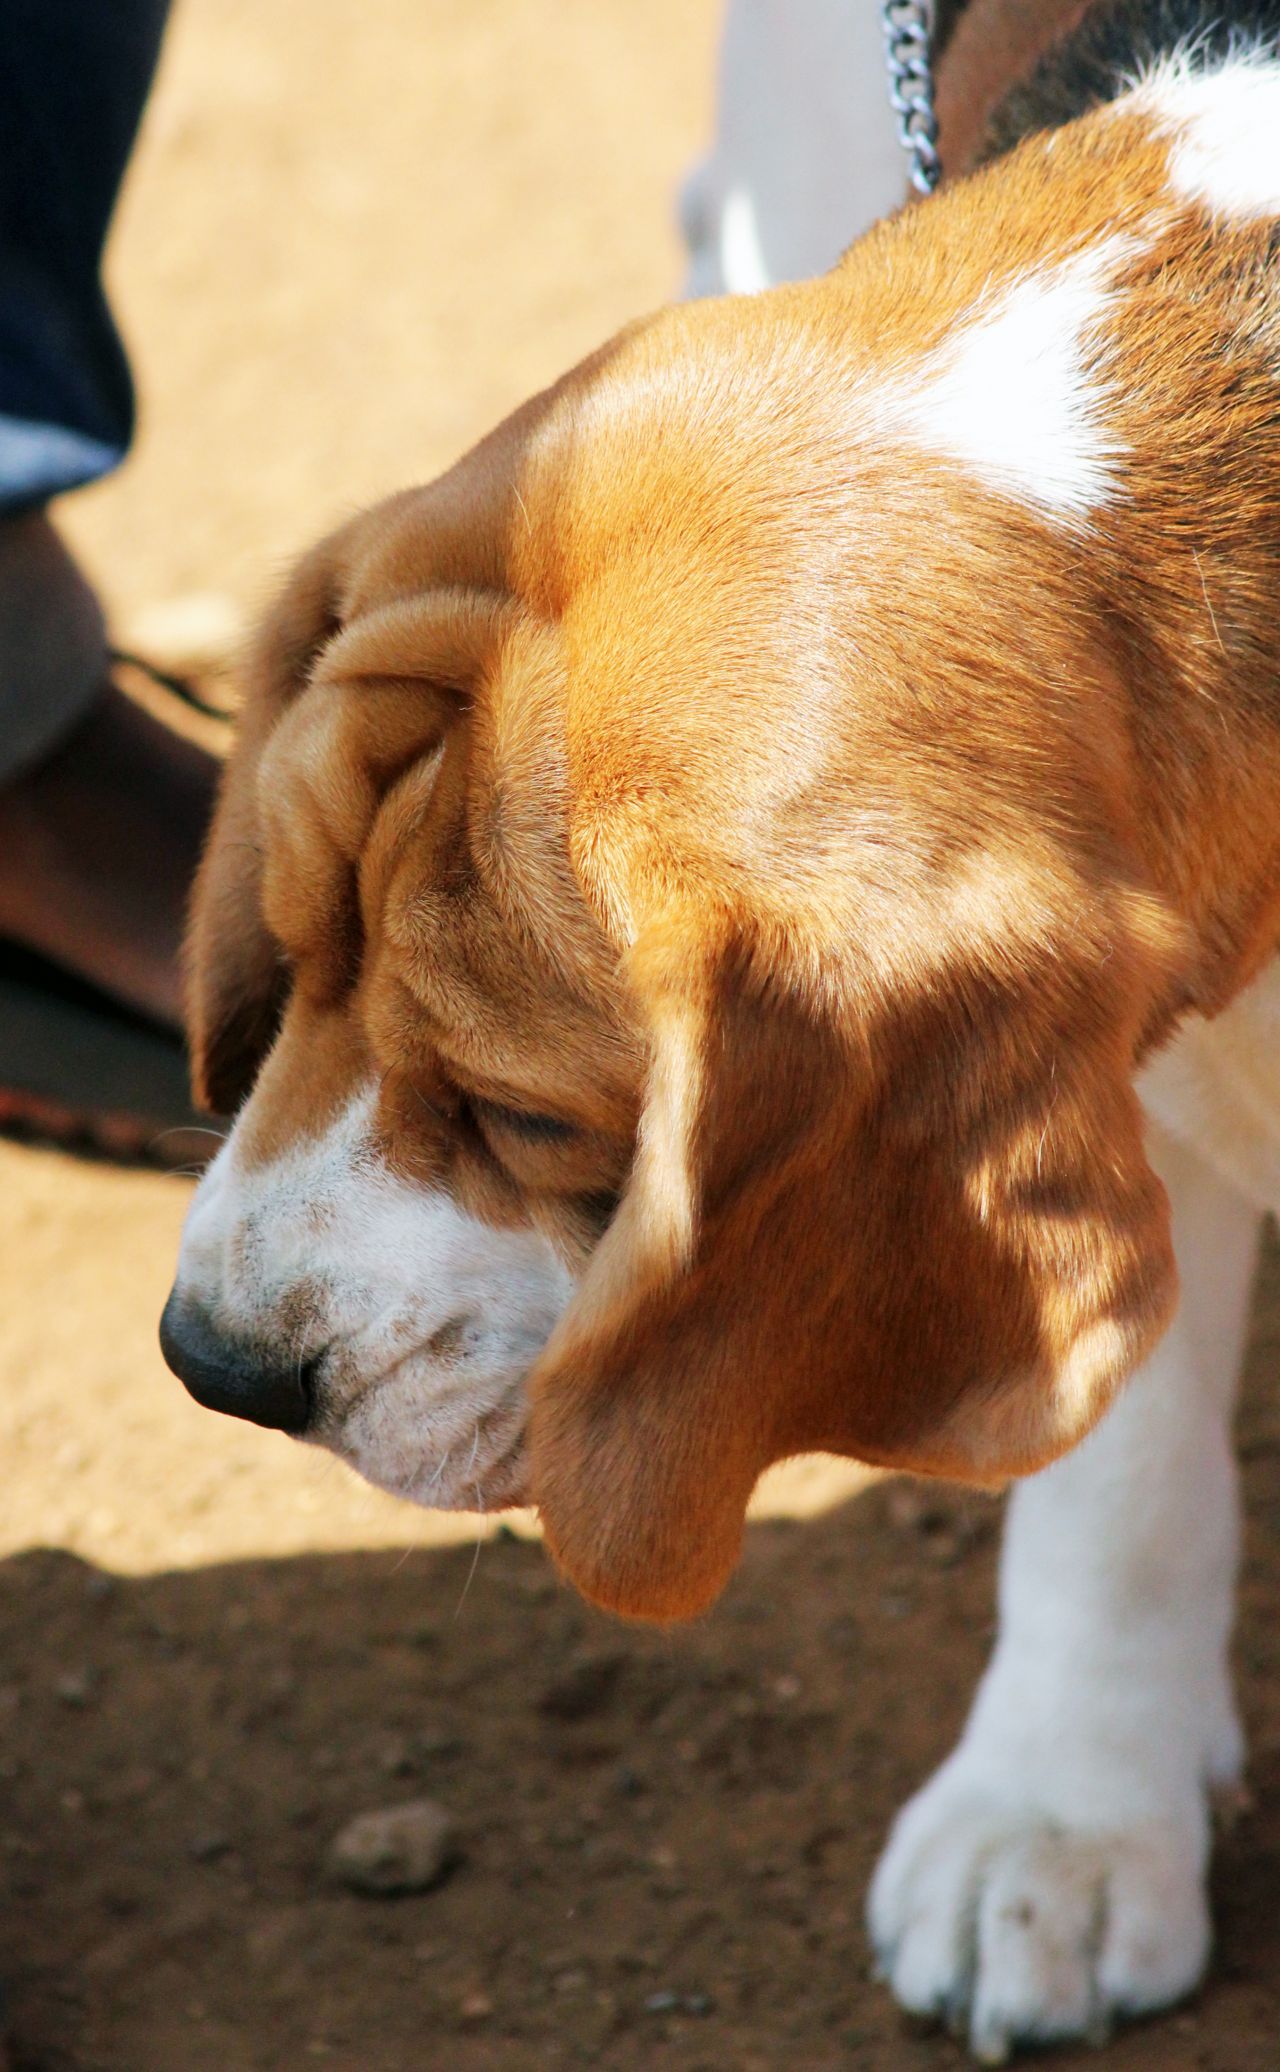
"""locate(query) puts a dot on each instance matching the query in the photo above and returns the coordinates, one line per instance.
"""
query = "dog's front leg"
(1051, 1874)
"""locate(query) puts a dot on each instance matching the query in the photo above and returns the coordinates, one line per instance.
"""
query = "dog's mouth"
(467, 1476)
(450, 1448)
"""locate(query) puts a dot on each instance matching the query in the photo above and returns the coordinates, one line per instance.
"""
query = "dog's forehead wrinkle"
(522, 999)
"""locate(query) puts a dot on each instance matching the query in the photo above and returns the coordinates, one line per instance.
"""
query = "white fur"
(1217, 1089)
(1052, 1873)
(1016, 396)
(327, 1252)
(1224, 131)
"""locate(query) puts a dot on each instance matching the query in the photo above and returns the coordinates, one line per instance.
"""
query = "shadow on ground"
(665, 1838)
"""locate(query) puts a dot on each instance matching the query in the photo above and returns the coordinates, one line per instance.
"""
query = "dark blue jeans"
(74, 76)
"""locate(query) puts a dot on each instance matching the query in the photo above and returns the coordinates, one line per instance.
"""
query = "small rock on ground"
(405, 1848)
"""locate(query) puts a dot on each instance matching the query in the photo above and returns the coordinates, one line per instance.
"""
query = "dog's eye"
(523, 1122)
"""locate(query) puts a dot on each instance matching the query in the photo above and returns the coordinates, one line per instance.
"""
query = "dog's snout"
(227, 1375)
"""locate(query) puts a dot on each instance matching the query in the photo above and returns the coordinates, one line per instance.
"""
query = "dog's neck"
(1010, 67)
(1095, 53)
(991, 48)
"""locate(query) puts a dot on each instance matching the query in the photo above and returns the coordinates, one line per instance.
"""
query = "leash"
(908, 51)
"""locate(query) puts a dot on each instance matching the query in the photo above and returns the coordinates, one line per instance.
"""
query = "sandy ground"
(352, 238)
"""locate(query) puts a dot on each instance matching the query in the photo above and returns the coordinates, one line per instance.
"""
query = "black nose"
(231, 1377)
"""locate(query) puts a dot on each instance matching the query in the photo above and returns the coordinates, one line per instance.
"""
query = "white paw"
(1018, 1927)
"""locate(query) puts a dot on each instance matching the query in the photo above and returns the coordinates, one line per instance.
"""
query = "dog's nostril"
(225, 1375)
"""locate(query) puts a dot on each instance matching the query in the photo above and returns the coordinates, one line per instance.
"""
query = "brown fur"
(994, 45)
(822, 836)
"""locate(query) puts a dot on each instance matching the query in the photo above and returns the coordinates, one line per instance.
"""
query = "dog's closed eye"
(525, 1123)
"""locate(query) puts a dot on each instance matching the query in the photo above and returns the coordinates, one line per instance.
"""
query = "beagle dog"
(743, 919)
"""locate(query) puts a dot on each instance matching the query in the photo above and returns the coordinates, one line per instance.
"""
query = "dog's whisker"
(475, 1558)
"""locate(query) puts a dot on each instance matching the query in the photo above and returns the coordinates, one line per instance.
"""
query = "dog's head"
(683, 980)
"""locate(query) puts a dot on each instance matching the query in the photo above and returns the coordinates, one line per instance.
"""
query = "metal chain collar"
(908, 54)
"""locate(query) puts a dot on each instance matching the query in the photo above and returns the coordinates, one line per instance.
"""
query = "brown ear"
(922, 1233)
(234, 979)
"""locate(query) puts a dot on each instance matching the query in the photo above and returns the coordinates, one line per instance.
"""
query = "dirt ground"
(351, 240)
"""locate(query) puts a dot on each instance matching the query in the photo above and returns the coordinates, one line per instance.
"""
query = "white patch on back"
(1014, 393)
(1224, 127)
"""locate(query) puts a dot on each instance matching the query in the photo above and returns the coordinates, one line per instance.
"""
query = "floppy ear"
(908, 1221)
(234, 980)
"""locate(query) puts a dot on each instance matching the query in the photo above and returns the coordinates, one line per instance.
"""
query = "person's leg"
(101, 808)
(76, 76)
(76, 79)
(805, 155)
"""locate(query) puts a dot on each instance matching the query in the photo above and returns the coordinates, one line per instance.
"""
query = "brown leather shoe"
(53, 642)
